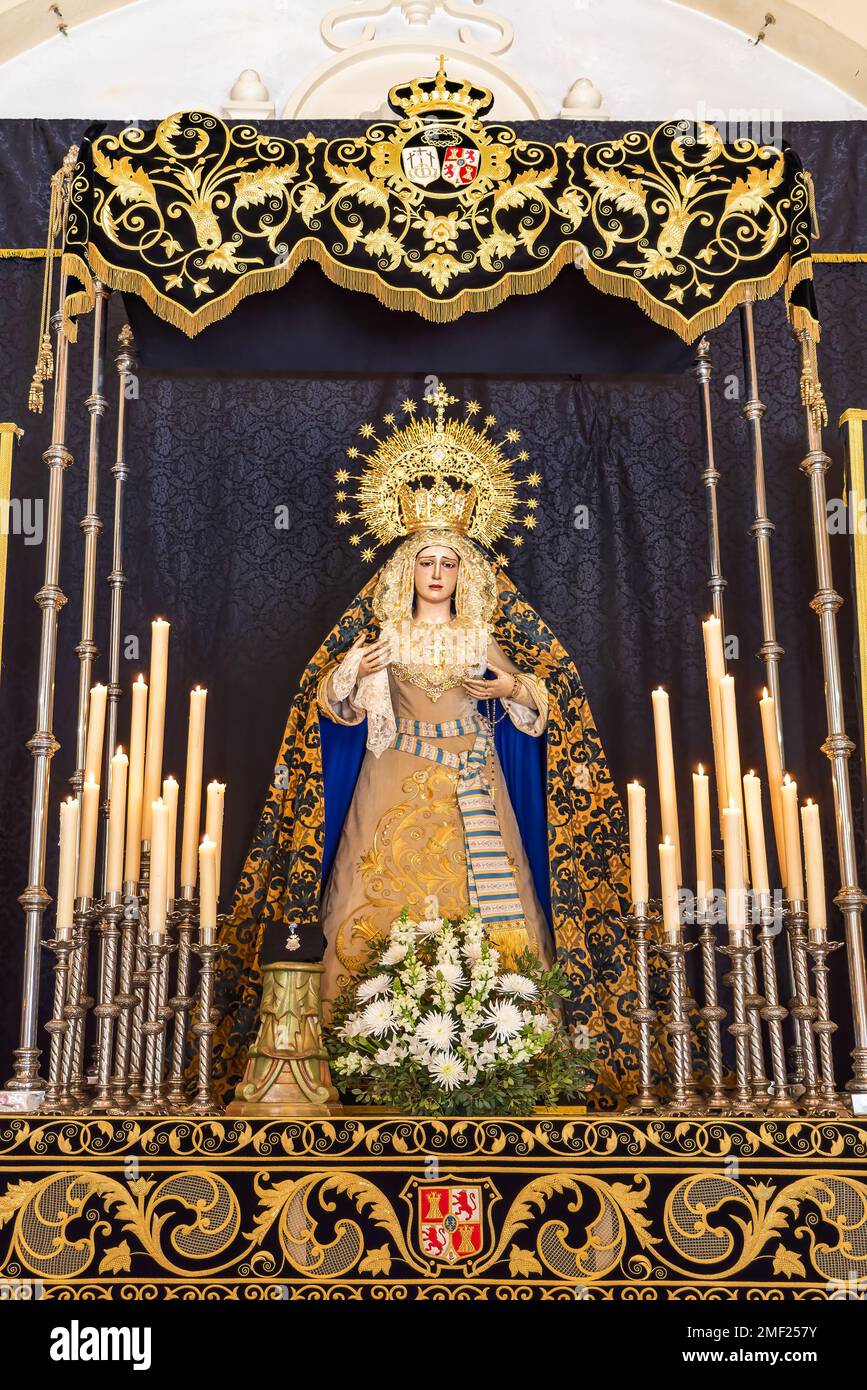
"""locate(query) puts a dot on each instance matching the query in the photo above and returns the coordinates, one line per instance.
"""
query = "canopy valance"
(441, 213)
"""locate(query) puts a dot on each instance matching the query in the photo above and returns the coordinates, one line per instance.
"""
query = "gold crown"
(437, 508)
(435, 474)
(440, 93)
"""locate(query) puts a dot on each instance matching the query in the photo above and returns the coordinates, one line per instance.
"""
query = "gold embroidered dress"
(404, 836)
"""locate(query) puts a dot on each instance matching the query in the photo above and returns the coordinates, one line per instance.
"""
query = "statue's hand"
(502, 685)
(375, 655)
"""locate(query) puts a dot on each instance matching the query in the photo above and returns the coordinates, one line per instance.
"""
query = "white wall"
(649, 58)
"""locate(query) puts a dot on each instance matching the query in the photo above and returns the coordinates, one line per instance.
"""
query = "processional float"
(439, 211)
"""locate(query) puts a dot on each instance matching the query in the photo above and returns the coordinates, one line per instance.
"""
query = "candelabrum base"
(201, 1106)
(642, 1105)
(176, 1095)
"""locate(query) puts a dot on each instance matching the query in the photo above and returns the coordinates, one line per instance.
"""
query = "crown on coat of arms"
(439, 93)
(436, 473)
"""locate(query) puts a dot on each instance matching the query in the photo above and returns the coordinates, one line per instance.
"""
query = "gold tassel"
(511, 942)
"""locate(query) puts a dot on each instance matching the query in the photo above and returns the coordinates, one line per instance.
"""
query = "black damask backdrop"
(213, 456)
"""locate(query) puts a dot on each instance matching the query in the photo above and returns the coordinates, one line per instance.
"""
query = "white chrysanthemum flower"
(504, 1019)
(519, 985)
(447, 1070)
(377, 1018)
(438, 1030)
(452, 973)
(430, 926)
(394, 953)
(377, 984)
(472, 951)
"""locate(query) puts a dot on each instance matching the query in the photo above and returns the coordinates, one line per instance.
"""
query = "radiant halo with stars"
(426, 449)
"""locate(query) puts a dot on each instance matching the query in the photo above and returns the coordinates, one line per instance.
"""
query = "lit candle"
(193, 787)
(156, 721)
(665, 767)
(66, 873)
(731, 752)
(214, 824)
(715, 665)
(817, 908)
(756, 832)
(170, 797)
(637, 802)
(158, 888)
(138, 724)
(87, 837)
(95, 732)
(207, 889)
(116, 815)
(767, 707)
(703, 854)
(794, 871)
(668, 878)
(733, 859)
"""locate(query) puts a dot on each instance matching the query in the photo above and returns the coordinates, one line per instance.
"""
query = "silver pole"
(837, 746)
(763, 528)
(91, 525)
(43, 745)
(125, 361)
(710, 477)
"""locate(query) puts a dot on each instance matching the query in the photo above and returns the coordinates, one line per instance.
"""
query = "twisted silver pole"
(712, 1015)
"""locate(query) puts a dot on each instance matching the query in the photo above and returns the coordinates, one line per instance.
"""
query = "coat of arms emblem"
(421, 164)
(450, 1222)
(460, 165)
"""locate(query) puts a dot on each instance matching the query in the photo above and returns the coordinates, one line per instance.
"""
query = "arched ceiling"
(827, 37)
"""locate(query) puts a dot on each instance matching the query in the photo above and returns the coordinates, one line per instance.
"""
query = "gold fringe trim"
(81, 301)
(26, 253)
(840, 257)
(510, 941)
(434, 310)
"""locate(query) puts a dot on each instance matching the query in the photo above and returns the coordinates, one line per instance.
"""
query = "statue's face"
(436, 573)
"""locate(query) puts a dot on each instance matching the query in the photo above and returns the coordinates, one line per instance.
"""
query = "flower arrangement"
(434, 1026)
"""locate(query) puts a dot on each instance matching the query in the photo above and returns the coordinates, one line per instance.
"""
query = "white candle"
(156, 720)
(665, 768)
(733, 859)
(138, 726)
(703, 852)
(208, 889)
(116, 816)
(66, 872)
(95, 732)
(794, 870)
(214, 824)
(193, 787)
(817, 908)
(668, 879)
(637, 803)
(732, 755)
(756, 832)
(170, 797)
(767, 709)
(715, 665)
(87, 838)
(158, 887)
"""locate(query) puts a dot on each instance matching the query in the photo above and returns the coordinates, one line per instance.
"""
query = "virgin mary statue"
(440, 747)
